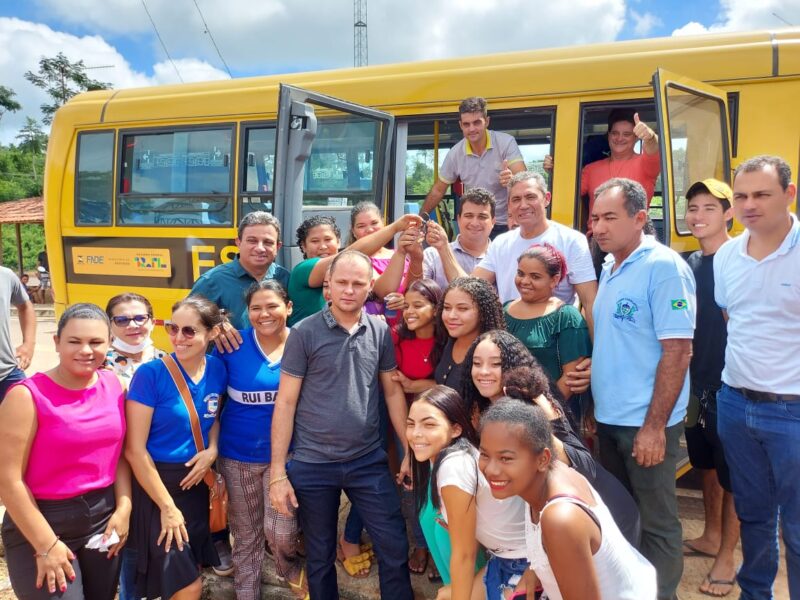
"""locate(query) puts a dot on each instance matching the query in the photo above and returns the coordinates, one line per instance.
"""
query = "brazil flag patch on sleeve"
(680, 304)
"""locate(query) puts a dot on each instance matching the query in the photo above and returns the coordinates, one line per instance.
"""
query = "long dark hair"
(432, 293)
(490, 311)
(513, 354)
(527, 382)
(456, 411)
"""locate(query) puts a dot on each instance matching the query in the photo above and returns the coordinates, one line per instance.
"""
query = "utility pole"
(360, 51)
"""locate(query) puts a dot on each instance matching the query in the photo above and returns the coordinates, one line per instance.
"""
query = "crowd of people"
(447, 388)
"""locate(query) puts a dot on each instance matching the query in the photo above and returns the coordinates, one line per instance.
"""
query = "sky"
(118, 42)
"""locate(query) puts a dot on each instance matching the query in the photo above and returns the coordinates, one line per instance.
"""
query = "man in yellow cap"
(707, 215)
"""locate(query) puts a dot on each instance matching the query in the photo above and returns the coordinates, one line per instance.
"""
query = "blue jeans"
(15, 376)
(760, 441)
(368, 484)
(503, 574)
(127, 575)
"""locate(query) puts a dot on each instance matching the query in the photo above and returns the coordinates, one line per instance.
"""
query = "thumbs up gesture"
(505, 174)
(641, 130)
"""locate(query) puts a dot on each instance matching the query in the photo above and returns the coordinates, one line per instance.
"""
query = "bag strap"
(180, 383)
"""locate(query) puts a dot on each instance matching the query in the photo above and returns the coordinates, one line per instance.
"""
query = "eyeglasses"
(124, 321)
(173, 329)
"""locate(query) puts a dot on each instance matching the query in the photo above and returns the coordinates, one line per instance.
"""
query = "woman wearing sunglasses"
(132, 322)
(170, 501)
(245, 449)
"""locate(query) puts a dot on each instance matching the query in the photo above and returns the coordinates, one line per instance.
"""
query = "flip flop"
(728, 582)
(300, 588)
(358, 566)
(693, 551)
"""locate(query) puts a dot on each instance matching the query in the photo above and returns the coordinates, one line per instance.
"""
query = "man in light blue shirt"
(644, 316)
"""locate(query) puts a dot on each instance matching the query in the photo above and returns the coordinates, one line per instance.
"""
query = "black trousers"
(74, 520)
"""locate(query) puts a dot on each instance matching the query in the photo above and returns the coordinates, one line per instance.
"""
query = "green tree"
(62, 80)
(20, 173)
(7, 102)
(32, 138)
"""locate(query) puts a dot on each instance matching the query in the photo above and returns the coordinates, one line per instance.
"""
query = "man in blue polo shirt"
(757, 282)
(644, 317)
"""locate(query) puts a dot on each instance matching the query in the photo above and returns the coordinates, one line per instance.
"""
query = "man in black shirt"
(708, 211)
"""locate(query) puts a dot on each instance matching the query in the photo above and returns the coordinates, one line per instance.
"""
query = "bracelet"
(46, 552)
(277, 479)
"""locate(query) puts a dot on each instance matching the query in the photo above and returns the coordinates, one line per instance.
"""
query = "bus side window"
(94, 178)
(257, 169)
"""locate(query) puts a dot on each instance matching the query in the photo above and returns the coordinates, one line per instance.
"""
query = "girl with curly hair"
(469, 307)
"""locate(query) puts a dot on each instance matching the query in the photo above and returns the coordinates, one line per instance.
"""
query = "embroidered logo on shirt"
(212, 404)
(680, 304)
(626, 310)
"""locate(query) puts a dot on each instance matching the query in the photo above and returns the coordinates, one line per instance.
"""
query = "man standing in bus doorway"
(757, 282)
(14, 361)
(258, 240)
(707, 216)
(484, 158)
(644, 317)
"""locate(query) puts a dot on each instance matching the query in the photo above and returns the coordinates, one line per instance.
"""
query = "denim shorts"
(502, 574)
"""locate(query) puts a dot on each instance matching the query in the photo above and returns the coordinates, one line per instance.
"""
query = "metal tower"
(360, 50)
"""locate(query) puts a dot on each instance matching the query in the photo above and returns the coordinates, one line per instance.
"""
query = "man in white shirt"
(757, 282)
(528, 199)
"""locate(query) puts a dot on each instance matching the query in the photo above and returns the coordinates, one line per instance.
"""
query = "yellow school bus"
(144, 187)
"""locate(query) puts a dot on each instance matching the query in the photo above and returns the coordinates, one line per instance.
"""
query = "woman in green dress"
(554, 332)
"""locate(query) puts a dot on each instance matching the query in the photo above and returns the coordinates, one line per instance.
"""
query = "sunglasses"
(124, 321)
(173, 330)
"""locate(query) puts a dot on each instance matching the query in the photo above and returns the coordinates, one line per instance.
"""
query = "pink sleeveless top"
(78, 438)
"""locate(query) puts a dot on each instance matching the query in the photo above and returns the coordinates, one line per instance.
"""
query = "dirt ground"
(689, 505)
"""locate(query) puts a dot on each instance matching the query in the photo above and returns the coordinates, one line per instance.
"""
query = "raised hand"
(505, 174)
(642, 130)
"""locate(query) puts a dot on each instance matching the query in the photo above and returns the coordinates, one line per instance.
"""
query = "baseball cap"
(715, 187)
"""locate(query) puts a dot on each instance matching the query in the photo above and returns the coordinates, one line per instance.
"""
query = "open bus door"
(326, 163)
(694, 143)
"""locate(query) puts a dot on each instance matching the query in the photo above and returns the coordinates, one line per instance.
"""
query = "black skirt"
(159, 573)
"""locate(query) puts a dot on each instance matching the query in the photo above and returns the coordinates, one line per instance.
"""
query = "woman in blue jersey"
(244, 445)
(169, 522)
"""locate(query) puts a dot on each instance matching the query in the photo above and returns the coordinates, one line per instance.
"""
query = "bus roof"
(435, 86)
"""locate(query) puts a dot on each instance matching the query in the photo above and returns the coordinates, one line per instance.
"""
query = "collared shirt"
(484, 170)
(227, 284)
(432, 267)
(11, 292)
(337, 412)
(762, 298)
(650, 297)
(502, 256)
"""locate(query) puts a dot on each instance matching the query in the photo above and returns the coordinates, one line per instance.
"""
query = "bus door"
(695, 145)
(329, 155)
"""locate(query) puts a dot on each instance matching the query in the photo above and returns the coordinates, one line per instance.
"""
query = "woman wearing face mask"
(245, 449)
(171, 508)
(573, 544)
(443, 442)
(502, 367)
(469, 308)
(62, 480)
(131, 317)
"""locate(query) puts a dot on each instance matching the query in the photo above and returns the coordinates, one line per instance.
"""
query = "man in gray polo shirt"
(484, 158)
(14, 360)
(328, 408)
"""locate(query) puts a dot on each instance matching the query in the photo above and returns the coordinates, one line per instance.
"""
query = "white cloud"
(643, 24)
(746, 15)
(28, 42)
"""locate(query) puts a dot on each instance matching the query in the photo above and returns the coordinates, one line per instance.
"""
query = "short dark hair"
(759, 163)
(620, 114)
(128, 297)
(347, 255)
(312, 222)
(473, 104)
(632, 192)
(209, 313)
(478, 196)
(259, 217)
(82, 310)
(536, 432)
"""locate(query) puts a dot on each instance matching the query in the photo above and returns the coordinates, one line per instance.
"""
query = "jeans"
(653, 488)
(369, 485)
(503, 574)
(760, 440)
(127, 575)
(15, 376)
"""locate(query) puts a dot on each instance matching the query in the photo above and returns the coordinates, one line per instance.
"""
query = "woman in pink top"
(65, 487)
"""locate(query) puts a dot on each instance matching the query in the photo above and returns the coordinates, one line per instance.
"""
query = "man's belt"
(756, 396)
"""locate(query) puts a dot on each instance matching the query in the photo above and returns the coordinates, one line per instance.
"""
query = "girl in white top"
(442, 439)
(573, 543)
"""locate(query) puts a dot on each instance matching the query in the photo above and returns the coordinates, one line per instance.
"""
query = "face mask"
(124, 346)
